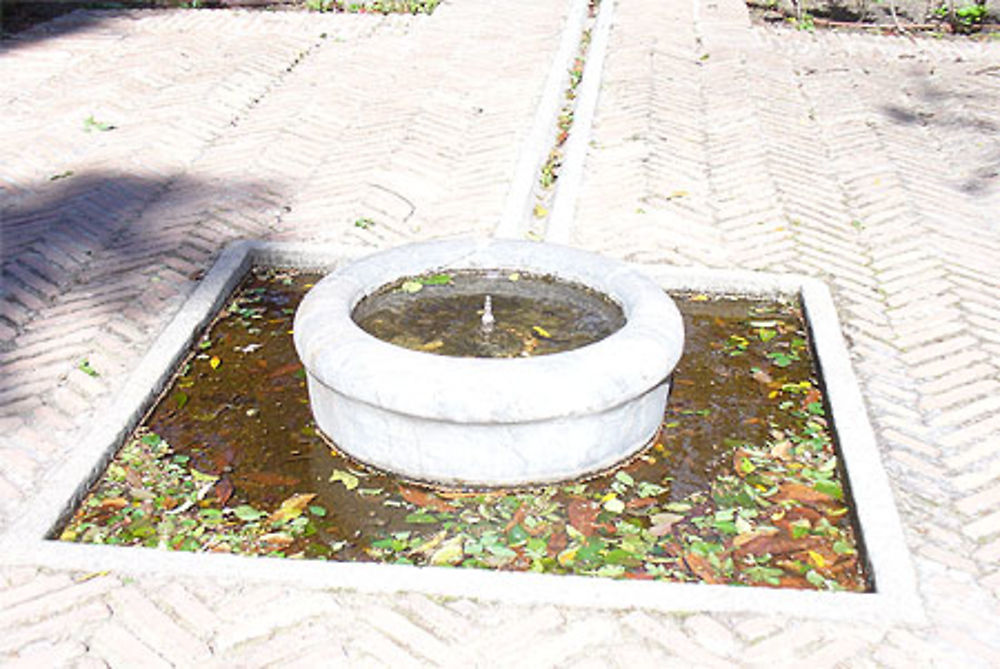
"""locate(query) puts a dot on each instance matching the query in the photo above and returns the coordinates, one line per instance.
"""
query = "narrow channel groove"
(560, 222)
(516, 216)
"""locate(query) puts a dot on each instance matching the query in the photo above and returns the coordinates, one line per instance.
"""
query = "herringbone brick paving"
(868, 162)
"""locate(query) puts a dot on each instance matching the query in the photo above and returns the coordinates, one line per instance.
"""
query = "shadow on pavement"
(93, 233)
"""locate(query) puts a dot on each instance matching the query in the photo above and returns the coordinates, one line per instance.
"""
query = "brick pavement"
(868, 162)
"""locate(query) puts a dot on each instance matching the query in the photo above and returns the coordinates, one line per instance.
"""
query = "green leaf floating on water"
(416, 284)
(411, 286)
(830, 488)
(349, 480)
(247, 513)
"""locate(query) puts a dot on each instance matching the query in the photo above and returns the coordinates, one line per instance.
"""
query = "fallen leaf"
(567, 557)
(516, 519)
(614, 505)
(782, 450)
(801, 493)
(214, 362)
(541, 332)
(742, 463)
(741, 540)
(776, 544)
(429, 545)
(663, 523)
(291, 507)
(223, 490)
(701, 568)
(113, 503)
(349, 480)
(450, 552)
(276, 540)
(425, 500)
(290, 368)
(817, 559)
(557, 543)
(411, 287)
(582, 514)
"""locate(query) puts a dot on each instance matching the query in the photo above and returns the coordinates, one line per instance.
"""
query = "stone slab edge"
(895, 599)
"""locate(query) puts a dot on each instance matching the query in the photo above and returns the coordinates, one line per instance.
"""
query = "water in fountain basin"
(497, 314)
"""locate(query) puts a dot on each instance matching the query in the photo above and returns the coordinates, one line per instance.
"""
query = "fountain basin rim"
(629, 362)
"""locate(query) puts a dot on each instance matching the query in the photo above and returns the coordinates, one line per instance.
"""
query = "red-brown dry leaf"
(812, 396)
(801, 493)
(778, 544)
(702, 568)
(794, 514)
(113, 503)
(640, 503)
(223, 490)
(557, 543)
(639, 576)
(792, 581)
(516, 519)
(582, 516)
(290, 368)
(425, 500)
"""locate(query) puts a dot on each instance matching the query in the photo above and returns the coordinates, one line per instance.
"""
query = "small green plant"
(91, 124)
(84, 366)
(966, 18)
(364, 223)
(805, 22)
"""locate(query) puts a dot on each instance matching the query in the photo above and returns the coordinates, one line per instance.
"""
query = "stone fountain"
(488, 421)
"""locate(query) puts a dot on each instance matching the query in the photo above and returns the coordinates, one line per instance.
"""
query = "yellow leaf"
(567, 557)
(202, 477)
(450, 552)
(540, 211)
(541, 332)
(817, 559)
(677, 193)
(291, 507)
(215, 362)
(429, 545)
(701, 297)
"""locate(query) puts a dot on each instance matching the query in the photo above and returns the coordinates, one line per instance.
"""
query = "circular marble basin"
(488, 422)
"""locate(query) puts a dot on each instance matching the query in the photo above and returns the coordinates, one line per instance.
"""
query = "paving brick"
(118, 647)
(152, 626)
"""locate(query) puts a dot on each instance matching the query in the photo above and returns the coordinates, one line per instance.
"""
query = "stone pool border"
(895, 596)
